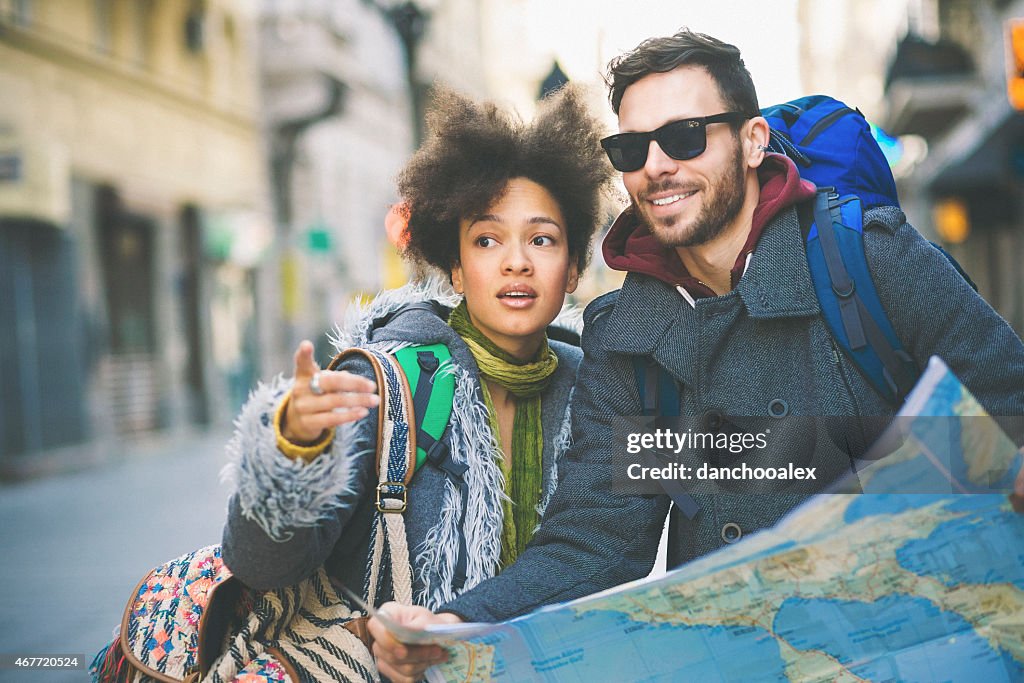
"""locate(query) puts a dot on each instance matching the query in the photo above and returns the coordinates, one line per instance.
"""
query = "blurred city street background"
(76, 544)
(188, 188)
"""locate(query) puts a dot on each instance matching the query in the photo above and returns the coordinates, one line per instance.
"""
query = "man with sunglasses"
(719, 295)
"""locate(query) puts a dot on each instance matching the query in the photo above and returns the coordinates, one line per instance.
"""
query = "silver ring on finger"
(314, 384)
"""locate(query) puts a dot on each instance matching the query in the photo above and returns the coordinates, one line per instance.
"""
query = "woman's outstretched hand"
(344, 398)
(398, 661)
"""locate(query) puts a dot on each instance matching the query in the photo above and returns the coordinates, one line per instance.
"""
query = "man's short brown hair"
(721, 60)
(472, 152)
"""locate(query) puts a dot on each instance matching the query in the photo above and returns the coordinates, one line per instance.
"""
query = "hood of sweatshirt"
(631, 247)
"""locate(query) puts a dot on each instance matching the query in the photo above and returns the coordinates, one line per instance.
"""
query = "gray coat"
(737, 353)
(286, 518)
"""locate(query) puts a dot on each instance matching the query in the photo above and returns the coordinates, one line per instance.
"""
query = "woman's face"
(514, 267)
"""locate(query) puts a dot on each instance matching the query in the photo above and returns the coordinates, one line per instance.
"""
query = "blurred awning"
(984, 157)
(930, 87)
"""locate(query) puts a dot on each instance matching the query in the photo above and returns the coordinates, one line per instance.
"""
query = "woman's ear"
(457, 279)
(574, 278)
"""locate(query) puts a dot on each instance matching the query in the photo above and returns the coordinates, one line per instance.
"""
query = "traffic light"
(1015, 62)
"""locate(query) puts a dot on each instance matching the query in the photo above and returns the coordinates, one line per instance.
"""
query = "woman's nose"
(516, 260)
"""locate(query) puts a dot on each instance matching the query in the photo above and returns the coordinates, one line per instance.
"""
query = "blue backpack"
(833, 147)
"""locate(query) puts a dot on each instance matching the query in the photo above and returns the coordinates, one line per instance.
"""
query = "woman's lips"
(517, 296)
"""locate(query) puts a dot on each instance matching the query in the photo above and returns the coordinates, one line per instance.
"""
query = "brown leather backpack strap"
(216, 621)
(359, 628)
(378, 376)
(404, 395)
(395, 463)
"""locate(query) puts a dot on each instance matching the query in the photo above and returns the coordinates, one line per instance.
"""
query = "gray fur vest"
(318, 511)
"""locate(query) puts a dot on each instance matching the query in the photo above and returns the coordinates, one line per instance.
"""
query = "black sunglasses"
(681, 140)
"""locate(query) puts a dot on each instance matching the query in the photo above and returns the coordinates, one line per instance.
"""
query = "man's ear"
(756, 135)
(574, 278)
(457, 279)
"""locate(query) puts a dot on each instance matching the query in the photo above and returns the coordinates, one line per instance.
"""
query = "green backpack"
(433, 395)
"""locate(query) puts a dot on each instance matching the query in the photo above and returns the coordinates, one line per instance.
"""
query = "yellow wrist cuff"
(293, 450)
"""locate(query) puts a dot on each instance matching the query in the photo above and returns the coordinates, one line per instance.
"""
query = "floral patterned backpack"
(190, 620)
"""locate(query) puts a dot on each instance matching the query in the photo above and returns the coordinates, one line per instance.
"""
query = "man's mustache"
(665, 186)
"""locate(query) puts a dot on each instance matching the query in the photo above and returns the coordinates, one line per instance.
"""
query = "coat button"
(731, 532)
(778, 408)
(713, 419)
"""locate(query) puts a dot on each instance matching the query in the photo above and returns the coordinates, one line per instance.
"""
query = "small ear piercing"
(762, 148)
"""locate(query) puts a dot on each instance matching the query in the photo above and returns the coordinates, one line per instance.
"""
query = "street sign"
(318, 239)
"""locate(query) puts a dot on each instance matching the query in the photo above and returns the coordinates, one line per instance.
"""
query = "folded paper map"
(878, 586)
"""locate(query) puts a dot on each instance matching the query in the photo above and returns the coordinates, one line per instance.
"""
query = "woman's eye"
(542, 241)
(484, 241)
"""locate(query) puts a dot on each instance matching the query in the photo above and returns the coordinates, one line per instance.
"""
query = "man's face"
(684, 203)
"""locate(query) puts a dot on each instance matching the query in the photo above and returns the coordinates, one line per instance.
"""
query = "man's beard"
(721, 203)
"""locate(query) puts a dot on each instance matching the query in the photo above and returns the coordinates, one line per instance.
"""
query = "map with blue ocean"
(871, 587)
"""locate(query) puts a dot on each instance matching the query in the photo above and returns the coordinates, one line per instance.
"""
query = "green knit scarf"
(526, 382)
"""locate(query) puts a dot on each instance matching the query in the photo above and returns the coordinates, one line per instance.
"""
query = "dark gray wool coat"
(286, 518)
(736, 353)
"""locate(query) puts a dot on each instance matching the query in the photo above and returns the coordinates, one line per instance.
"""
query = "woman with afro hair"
(506, 211)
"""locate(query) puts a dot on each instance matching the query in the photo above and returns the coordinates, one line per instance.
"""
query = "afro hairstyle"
(473, 150)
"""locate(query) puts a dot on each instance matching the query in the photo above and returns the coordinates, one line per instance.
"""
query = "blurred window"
(104, 14)
(230, 32)
(195, 28)
(21, 12)
(958, 22)
(143, 32)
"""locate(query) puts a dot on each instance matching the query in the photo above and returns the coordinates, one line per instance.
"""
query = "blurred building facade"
(133, 211)
(934, 72)
(344, 85)
(190, 187)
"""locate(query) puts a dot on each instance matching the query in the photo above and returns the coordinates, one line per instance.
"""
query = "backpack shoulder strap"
(659, 397)
(396, 463)
(659, 393)
(429, 406)
(433, 395)
(848, 297)
(396, 441)
(433, 404)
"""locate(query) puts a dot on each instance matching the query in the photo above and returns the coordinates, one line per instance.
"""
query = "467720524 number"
(25, 662)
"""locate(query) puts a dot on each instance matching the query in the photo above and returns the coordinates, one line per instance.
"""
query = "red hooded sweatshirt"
(630, 246)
